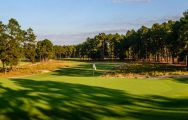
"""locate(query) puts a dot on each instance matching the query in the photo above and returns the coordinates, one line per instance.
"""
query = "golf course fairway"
(73, 93)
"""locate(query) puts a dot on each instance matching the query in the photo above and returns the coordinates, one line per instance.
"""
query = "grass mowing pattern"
(73, 93)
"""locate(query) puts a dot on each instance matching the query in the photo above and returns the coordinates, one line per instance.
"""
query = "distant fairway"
(74, 94)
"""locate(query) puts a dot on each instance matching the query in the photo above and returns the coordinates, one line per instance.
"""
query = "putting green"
(74, 93)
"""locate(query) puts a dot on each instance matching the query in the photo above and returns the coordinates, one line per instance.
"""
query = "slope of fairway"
(74, 93)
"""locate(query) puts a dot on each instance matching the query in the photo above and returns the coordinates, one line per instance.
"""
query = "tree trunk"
(172, 59)
(158, 57)
(187, 62)
(4, 67)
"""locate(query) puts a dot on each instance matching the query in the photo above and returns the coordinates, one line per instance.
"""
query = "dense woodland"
(17, 44)
(166, 42)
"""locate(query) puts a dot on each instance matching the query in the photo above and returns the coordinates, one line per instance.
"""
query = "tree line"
(164, 42)
(17, 44)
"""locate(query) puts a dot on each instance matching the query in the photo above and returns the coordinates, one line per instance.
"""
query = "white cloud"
(123, 1)
(74, 39)
(119, 27)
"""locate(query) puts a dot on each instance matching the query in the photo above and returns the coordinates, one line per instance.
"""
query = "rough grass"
(73, 93)
(26, 68)
(145, 70)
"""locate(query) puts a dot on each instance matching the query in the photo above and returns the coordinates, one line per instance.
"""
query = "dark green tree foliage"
(29, 46)
(102, 45)
(14, 38)
(44, 50)
(160, 43)
(119, 46)
(70, 51)
(91, 48)
(11, 42)
(15, 43)
(131, 44)
(57, 51)
(3, 43)
(184, 34)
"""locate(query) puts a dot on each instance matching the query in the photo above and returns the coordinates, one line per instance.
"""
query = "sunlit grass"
(74, 93)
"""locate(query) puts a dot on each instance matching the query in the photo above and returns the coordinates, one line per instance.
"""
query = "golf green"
(73, 93)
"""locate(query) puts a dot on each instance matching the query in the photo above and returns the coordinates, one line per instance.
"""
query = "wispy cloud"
(150, 22)
(73, 39)
(124, 1)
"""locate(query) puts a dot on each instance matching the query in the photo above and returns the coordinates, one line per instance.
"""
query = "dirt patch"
(44, 71)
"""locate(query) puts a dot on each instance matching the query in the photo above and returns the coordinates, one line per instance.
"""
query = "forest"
(166, 42)
(94, 60)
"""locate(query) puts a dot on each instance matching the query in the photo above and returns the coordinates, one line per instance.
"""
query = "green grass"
(73, 93)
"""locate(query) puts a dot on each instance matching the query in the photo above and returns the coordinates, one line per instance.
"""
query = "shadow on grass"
(85, 70)
(43, 100)
(182, 80)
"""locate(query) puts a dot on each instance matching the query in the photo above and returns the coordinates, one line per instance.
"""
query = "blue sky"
(72, 21)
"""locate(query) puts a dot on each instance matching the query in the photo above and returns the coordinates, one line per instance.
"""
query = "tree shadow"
(161, 108)
(41, 100)
(85, 70)
(182, 80)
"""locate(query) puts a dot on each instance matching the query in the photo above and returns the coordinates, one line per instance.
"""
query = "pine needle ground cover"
(74, 93)
(146, 70)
